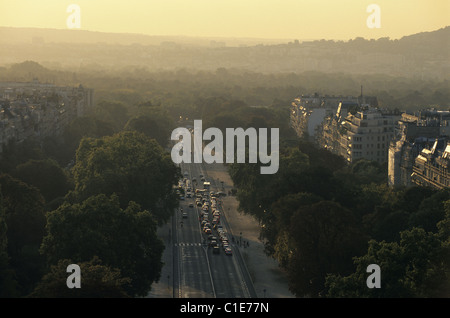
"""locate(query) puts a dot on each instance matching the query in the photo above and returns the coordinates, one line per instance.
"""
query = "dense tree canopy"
(25, 227)
(122, 238)
(98, 281)
(131, 165)
(8, 283)
(154, 124)
(416, 266)
(325, 237)
(318, 215)
(85, 126)
(46, 175)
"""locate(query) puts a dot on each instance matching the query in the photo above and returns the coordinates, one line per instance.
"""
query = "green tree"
(257, 192)
(277, 232)
(325, 237)
(25, 223)
(122, 238)
(97, 281)
(131, 165)
(367, 171)
(15, 153)
(416, 266)
(154, 124)
(46, 175)
(430, 211)
(8, 283)
(86, 126)
(113, 112)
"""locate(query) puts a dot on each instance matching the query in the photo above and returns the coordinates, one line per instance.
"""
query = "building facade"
(365, 134)
(431, 166)
(308, 112)
(37, 109)
(419, 139)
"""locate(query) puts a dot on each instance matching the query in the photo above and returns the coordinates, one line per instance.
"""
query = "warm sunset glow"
(294, 19)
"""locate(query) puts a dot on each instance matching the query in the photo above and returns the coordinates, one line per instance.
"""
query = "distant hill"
(12, 35)
(422, 55)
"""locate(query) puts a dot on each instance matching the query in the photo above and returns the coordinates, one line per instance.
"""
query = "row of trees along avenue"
(93, 197)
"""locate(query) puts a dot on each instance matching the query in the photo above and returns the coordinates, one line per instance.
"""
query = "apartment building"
(417, 135)
(308, 112)
(37, 109)
(364, 134)
(431, 166)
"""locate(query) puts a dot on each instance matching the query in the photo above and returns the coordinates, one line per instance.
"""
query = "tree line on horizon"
(179, 90)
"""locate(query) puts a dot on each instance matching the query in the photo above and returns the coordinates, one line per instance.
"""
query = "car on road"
(216, 250)
(185, 215)
(228, 251)
(191, 205)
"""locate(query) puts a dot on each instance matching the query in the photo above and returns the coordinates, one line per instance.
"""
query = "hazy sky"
(287, 19)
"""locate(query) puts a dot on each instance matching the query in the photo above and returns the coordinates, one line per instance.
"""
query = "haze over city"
(135, 139)
(288, 19)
